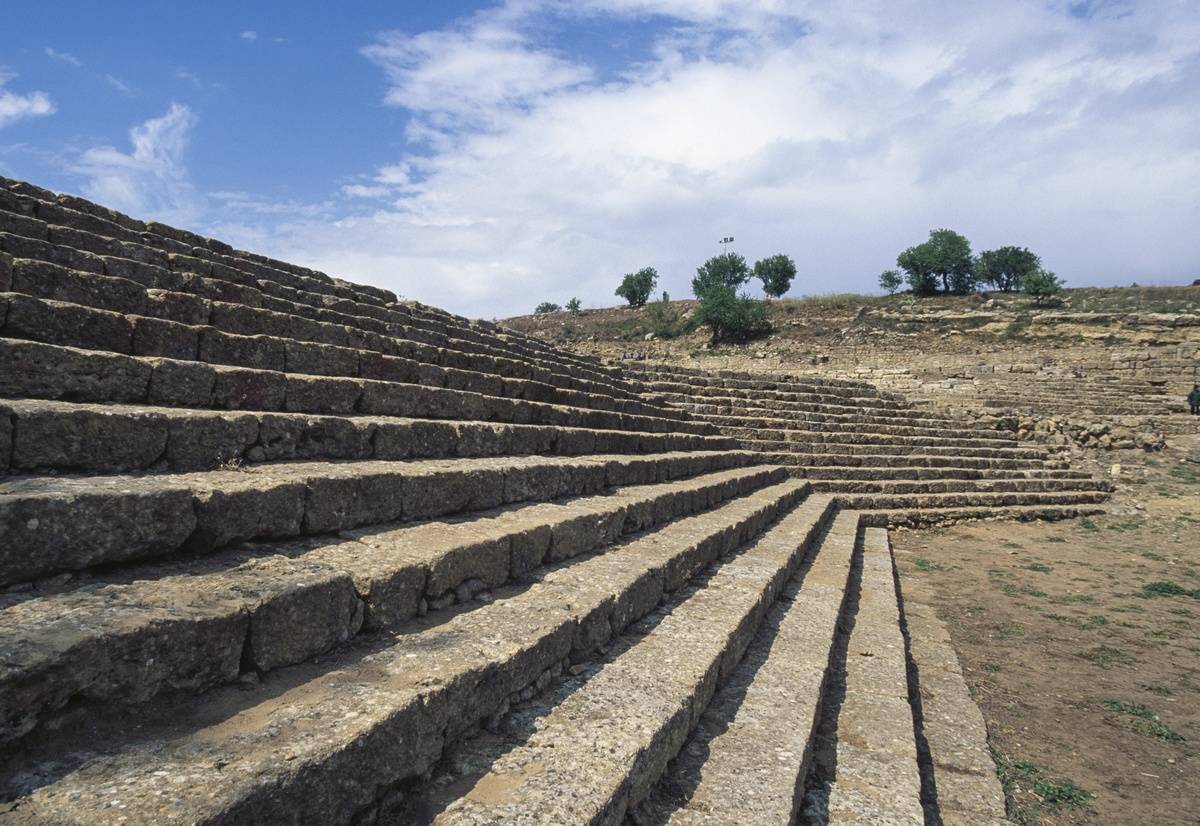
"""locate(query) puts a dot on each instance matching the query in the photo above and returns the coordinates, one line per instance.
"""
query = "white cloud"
(63, 57)
(249, 36)
(150, 181)
(120, 85)
(16, 107)
(838, 133)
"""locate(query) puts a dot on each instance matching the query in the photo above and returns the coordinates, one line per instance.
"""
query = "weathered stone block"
(180, 383)
(260, 352)
(6, 268)
(43, 531)
(312, 394)
(246, 506)
(54, 322)
(240, 389)
(199, 441)
(164, 339)
(320, 359)
(315, 437)
(52, 436)
(21, 246)
(51, 281)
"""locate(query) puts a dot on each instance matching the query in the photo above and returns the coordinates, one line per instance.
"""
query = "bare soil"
(1080, 642)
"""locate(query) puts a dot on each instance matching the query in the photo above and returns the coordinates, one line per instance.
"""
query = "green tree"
(776, 274)
(546, 307)
(950, 256)
(574, 305)
(1042, 285)
(726, 270)
(732, 317)
(917, 263)
(890, 280)
(637, 286)
(1006, 268)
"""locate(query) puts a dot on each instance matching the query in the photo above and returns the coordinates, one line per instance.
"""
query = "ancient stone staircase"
(880, 454)
(279, 548)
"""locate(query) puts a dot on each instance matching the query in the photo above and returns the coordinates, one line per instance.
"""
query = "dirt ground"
(1080, 641)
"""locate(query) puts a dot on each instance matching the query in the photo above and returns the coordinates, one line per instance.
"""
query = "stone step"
(859, 474)
(195, 623)
(850, 399)
(595, 747)
(54, 524)
(970, 499)
(636, 369)
(875, 777)
(69, 324)
(939, 430)
(806, 461)
(926, 448)
(330, 742)
(130, 258)
(989, 485)
(900, 517)
(43, 371)
(816, 436)
(747, 759)
(698, 403)
(110, 438)
(760, 381)
(860, 417)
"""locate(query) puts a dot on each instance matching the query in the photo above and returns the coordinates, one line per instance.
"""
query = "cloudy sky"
(487, 156)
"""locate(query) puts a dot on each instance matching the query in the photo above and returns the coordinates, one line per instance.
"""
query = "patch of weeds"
(1009, 630)
(1088, 598)
(1168, 588)
(1056, 539)
(927, 566)
(1131, 525)
(1160, 690)
(1088, 525)
(1107, 657)
(1183, 612)
(1054, 794)
(1039, 567)
(1021, 590)
(1095, 621)
(991, 668)
(1145, 722)
(1185, 474)
(1151, 555)
(1011, 545)
(998, 572)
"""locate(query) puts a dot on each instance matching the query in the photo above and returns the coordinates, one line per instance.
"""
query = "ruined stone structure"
(279, 548)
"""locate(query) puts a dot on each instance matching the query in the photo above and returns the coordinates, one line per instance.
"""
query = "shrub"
(637, 286)
(727, 270)
(776, 274)
(1006, 268)
(546, 307)
(665, 319)
(1042, 285)
(890, 280)
(730, 316)
(574, 305)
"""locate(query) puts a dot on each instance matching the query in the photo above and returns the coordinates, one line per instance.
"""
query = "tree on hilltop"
(1006, 268)
(946, 255)
(890, 280)
(776, 273)
(546, 307)
(1042, 285)
(637, 286)
(725, 270)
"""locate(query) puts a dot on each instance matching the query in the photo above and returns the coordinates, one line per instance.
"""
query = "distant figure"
(1194, 399)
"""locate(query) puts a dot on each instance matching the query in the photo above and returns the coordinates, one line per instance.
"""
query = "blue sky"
(488, 156)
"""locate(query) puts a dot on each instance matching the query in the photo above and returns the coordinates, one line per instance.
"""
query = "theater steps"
(278, 548)
(875, 451)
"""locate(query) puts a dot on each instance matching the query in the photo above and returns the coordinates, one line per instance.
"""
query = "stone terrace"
(279, 548)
